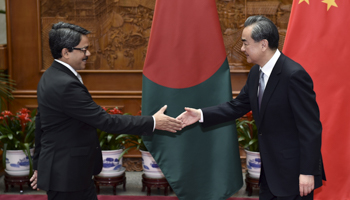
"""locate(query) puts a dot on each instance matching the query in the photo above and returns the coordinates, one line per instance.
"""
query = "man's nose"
(88, 53)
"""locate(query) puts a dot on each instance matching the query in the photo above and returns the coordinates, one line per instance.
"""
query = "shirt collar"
(268, 67)
(68, 66)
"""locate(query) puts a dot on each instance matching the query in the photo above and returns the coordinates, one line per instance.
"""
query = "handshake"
(166, 123)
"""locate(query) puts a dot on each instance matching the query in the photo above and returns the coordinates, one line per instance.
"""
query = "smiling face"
(77, 58)
(252, 49)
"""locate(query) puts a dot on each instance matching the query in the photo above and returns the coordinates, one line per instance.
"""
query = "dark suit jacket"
(67, 150)
(288, 124)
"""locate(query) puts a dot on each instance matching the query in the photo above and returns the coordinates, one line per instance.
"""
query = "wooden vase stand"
(155, 183)
(113, 181)
(16, 180)
(251, 183)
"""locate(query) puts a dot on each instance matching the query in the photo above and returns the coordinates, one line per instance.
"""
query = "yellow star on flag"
(307, 1)
(330, 3)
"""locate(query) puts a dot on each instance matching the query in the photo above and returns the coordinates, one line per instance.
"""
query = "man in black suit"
(286, 114)
(67, 151)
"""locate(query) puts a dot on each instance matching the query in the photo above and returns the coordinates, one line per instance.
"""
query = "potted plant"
(112, 149)
(248, 139)
(17, 134)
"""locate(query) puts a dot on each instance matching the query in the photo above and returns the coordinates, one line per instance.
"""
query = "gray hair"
(263, 28)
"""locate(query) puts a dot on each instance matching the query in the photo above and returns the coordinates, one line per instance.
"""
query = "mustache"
(84, 59)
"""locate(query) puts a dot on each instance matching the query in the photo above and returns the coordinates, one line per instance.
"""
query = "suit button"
(260, 133)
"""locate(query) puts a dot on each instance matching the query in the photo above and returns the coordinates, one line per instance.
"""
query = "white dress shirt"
(268, 67)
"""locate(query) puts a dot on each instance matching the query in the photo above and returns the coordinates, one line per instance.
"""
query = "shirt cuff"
(201, 120)
(154, 123)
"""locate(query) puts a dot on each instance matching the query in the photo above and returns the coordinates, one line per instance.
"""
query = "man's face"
(252, 49)
(77, 58)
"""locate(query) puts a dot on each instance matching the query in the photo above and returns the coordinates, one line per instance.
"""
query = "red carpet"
(101, 197)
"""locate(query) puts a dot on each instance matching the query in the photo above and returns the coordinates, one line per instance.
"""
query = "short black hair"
(64, 35)
(263, 28)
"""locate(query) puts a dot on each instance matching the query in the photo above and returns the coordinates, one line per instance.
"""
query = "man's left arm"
(307, 117)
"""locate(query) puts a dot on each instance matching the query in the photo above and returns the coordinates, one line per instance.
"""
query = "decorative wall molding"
(120, 29)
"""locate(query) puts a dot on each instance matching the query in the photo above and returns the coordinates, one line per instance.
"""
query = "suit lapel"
(271, 84)
(63, 68)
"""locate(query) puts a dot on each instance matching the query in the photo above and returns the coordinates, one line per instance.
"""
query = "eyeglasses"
(84, 49)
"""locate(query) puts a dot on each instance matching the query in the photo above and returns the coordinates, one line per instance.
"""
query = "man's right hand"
(190, 116)
(166, 123)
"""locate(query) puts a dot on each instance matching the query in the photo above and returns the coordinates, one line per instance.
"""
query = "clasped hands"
(164, 122)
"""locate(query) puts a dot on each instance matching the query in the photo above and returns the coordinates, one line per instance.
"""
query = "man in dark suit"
(280, 94)
(67, 151)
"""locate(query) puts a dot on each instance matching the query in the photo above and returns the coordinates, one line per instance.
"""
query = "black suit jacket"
(67, 151)
(288, 124)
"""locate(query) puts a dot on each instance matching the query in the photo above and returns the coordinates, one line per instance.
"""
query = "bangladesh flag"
(186, 65)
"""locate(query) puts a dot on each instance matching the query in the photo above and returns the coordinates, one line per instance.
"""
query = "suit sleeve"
(37, 148)
(306, 113)
(78, 104)
(227, 111)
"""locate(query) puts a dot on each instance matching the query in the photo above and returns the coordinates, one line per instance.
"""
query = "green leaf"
(126, 151)
(32, 114)
(109, 137)
(27, 152)
(10, 136)
(3, 136)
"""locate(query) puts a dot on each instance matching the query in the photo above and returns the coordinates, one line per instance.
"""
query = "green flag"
(186, 66)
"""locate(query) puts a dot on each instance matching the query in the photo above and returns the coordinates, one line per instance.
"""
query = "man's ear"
(64, 53)
(264, 44)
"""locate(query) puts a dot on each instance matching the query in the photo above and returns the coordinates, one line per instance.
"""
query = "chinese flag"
(318, 38)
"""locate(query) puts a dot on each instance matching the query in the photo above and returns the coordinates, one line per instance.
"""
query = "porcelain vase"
(150, 167)
(253, 163)
(112, 165)
(17, 163)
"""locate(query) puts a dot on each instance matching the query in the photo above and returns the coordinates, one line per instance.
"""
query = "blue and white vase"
(112, 165)
(111, 160)
(150, 167)
(17, 163)
(253, 163)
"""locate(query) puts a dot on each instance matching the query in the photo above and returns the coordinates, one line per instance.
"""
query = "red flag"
(318, 38)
